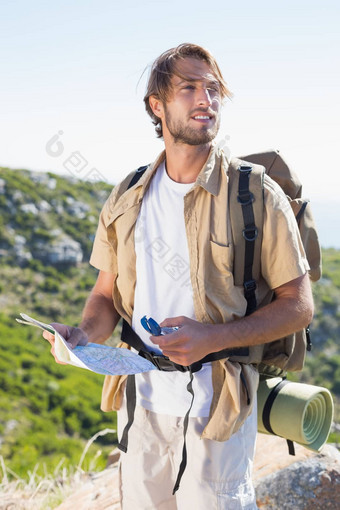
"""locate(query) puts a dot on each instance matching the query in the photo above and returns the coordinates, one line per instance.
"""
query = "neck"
(184, 162)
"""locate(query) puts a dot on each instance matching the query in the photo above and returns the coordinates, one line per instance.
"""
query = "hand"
(191, 342)
(73, 336)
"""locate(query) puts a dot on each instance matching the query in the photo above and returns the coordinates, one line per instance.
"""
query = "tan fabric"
(216, 298)
(113, 389)
(277, 168)
(309, 238)
(275, 165)
(230, 405)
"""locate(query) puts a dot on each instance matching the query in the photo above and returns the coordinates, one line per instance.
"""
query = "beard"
(182, 133)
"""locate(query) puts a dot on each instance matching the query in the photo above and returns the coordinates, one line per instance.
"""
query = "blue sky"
(74, 67)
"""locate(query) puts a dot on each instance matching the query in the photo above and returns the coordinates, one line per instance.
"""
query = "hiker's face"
(192, 114)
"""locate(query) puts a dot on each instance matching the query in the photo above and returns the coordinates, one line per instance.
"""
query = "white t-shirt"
(163, 289)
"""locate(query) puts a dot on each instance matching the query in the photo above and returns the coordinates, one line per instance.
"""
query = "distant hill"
(48, 411)
(47, 227)
(47, 217)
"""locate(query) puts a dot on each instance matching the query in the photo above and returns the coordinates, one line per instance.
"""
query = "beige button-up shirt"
(216, 298)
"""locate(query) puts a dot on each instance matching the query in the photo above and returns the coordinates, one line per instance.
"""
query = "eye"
(214, 88)
(189, 87)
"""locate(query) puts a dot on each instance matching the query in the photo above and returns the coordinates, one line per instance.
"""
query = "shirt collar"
(208, 178)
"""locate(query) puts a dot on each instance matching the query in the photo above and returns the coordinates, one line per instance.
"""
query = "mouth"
(203, 117)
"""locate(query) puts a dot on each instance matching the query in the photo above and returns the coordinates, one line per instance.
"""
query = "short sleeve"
(283, 258)
(103, 255)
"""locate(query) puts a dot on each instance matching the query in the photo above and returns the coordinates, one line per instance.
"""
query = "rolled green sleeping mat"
(295, 411)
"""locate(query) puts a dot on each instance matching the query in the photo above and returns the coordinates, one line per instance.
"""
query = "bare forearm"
(269, 323)
(99, 318)
(291, 311)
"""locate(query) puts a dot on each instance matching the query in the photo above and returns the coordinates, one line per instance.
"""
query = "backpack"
(246, 215)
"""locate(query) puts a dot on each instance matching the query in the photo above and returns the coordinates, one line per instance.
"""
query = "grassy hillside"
(49, 411)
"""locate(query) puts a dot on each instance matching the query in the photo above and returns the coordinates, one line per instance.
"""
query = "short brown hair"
(165, 66)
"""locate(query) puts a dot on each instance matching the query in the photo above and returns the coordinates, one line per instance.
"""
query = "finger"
(48, 336)
(77, 337)
(73, 336)
(62, 329)
(179, 358)
(166, 340)
(172, 322)
(157, 340)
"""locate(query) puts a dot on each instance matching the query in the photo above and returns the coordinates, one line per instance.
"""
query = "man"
(164, 249)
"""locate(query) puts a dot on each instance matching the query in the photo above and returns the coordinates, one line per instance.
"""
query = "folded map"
(98, 358)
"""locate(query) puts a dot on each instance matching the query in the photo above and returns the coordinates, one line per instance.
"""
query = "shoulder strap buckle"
(250, 233)
(245, 168)
(249, 286)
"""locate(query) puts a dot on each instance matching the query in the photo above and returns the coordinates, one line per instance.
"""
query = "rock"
(78, 209)
(20, 250)
(19, 240)
(18, 196)
(62, 250)
(98, 492)
(52, 183)
(2, 186)
(310, 483)
(113, 457)
(29, 208)
(44, 206)
(44, 179)
(22, 255)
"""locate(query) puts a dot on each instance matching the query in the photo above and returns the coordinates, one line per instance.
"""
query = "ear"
(156, 106)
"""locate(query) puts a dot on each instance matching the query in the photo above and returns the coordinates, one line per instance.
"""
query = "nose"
(203, 97)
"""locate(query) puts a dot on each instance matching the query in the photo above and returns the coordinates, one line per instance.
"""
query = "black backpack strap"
(267, 409)
(139, 172)
(250, 232)
(131, 407)
(130, 337)
(183, 463)
(301, 211)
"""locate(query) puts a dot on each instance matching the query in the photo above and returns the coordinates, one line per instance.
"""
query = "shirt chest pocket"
(221, 260)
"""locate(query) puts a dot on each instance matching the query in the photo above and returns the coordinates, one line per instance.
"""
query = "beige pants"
(218, 475)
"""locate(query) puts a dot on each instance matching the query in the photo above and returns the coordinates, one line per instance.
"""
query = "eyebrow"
(211, 81)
